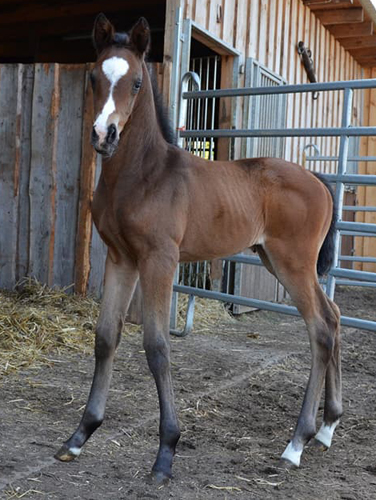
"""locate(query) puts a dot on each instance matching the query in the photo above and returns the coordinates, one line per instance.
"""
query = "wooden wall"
(47, 177)
(367, 195)
(269, 31)
(48, 171)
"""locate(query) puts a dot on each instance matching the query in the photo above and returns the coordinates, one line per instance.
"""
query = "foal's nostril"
(111, 134)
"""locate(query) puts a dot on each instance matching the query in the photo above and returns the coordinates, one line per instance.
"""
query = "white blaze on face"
(114, 68)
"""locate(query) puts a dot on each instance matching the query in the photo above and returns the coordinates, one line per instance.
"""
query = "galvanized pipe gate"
(340, 179)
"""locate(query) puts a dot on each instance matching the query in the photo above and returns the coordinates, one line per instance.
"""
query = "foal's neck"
(142, 147)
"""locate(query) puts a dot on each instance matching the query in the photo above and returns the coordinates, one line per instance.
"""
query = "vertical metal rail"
(340, 186)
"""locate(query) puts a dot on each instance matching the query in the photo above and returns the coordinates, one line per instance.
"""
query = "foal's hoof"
(158, 478)
(317, 445)
(65, 454)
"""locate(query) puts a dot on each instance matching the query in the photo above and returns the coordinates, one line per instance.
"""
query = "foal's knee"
(327, 330)
(157, 352)
(107, 339)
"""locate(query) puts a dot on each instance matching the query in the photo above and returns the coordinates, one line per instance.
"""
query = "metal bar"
(357, 259)
(350, 273)
(351, 178)
(356, 283)
(268, 306)
(278, 132)
(358, 208)
(357, 234)
(356, 226)
(340, 188)
(335, 158)
(284, 89)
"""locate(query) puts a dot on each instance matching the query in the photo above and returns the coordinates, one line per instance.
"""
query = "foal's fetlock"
(323, 438)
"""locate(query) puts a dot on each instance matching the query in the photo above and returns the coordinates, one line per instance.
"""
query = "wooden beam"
(38, 11)
(348, 30)
(363, 52)
(87, 179)
(340, 16)
(367, 62)
(357, 43)
(328, 4)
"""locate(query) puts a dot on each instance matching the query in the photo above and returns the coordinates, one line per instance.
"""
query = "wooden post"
(87, 178)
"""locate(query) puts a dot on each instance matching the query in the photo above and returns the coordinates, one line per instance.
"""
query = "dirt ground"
(238, 391)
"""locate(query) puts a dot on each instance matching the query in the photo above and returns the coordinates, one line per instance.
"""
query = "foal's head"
(116, 79)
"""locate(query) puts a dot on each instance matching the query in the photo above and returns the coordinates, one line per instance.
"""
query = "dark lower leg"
(94, 411)
(157, 352)
(120, 281)
(333, 397)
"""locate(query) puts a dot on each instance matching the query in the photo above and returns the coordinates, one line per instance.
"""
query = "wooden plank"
(263, 22)
(87, 179)
(253, 31)
(285, 40)
(340, 16)
(270, 48)
(367, 62)
(8, 174)
(328, 4)
(44, 11)
(228, 22)
(348, 29)
(362, 169)
(225, 107)
(241, 33)
(23, 152)
(211, 21)
(42, 187)
(200, 13)
(363, 53)
(98, 251)
(358, 42)
(68, 162)
(278, 36)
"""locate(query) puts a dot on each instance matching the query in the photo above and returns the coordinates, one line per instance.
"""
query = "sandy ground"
(238, 390)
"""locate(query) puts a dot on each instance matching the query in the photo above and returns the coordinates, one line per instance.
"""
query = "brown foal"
(157, 205)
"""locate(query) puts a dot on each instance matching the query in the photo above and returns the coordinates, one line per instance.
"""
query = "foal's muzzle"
(107, 145)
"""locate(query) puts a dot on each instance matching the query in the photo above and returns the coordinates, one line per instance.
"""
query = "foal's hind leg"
(297, 272)
(333, 392)
(120, 281)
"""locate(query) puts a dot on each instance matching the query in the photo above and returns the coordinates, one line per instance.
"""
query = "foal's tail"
(326, 254)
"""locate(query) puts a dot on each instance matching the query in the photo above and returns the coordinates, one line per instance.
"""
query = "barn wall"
(367, 195)
(269, 32)
(48, 171)
(44, 191)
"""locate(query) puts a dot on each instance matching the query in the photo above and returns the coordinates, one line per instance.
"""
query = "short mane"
(161, 110)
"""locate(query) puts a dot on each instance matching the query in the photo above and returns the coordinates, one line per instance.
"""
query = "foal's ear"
(140, 36)
(103, 33)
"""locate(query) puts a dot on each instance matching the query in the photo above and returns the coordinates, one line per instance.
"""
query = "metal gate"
(340, 179)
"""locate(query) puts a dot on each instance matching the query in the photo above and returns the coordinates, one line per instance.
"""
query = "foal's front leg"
(156, 277)
(120, 282)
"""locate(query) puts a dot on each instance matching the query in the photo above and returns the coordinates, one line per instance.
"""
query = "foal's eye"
(137, 86)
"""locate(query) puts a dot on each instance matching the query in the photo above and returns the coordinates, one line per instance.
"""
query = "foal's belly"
(206, 242)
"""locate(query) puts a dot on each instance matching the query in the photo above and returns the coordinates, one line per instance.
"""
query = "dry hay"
(36, 321)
